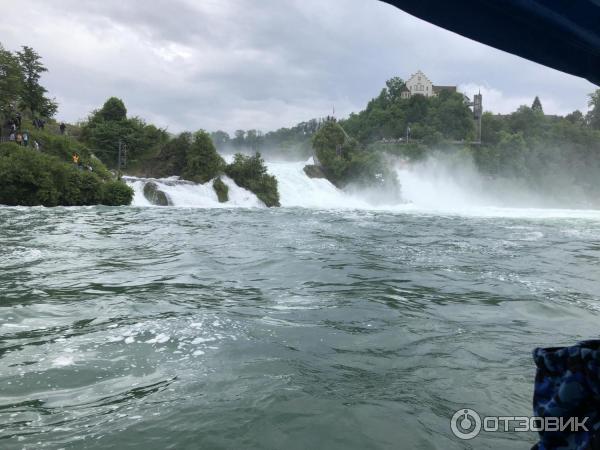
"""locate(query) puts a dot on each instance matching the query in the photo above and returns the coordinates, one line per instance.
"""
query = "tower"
(477, 113)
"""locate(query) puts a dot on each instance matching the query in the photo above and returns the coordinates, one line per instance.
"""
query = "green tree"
(593, 115)
(254, 139)
(33, 94)
(491, 125)
(220, 138)
(450, 117)
(171, 158)
(11, 80)
(394, 88)
(113, 110)
(537, 105)
(203, 163)
(109, 125)
(238, 139)
(576, 117)
(527, 121)
(328, 143)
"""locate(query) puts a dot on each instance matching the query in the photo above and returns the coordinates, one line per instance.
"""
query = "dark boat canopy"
(562, 34)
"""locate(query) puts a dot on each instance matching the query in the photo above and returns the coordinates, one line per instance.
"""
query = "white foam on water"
(437, 186)
(296, 189)
(63, 361)
(193, 195)
(139, 199)
(161, 338)
(426, 189)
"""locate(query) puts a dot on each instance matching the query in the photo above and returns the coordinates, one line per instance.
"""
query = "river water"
(290, 328)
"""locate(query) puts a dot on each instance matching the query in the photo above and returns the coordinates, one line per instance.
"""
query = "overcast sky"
(229, 64)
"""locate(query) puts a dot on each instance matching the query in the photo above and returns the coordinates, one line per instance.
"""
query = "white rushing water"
(425, 189)
(187, 194)
(296, 189)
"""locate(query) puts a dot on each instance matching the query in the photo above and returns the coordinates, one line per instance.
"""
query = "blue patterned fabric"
(567, 384)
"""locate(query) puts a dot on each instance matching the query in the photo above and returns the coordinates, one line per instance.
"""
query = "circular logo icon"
(465, 424)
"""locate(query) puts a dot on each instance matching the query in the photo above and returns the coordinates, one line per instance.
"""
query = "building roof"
(438, 89)
(417, 74)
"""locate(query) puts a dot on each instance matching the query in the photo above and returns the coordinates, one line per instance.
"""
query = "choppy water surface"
(288, 328)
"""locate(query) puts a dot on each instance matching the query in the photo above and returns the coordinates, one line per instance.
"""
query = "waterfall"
(296, 189)
(187, 194)
(426, 188)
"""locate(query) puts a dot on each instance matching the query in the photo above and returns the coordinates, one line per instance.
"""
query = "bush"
(328, 144)
(27, 178)
(221, 190)
(30, 178)
(63, 148)
(116, 193)
(344, 161)
(250, 173)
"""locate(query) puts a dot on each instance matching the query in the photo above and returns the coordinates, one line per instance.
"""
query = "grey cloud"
(259, 63)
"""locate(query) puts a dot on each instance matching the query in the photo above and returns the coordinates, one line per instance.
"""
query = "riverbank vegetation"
(71, 167)
(29, 177)
(39, 164)
(544, 152)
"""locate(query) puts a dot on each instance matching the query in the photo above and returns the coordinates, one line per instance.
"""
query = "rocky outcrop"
(154, 195)
(313, 171)
(221, 190)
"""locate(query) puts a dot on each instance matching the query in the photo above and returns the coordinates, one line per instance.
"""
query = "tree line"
(20, 88)
(58, 170)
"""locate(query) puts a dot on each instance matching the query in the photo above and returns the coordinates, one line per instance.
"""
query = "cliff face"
(317, 171)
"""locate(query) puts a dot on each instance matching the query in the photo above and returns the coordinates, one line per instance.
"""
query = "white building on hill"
(419, 84)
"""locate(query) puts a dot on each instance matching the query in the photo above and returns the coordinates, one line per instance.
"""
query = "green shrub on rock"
(250, 173)
(344, 161)
(116, 193)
